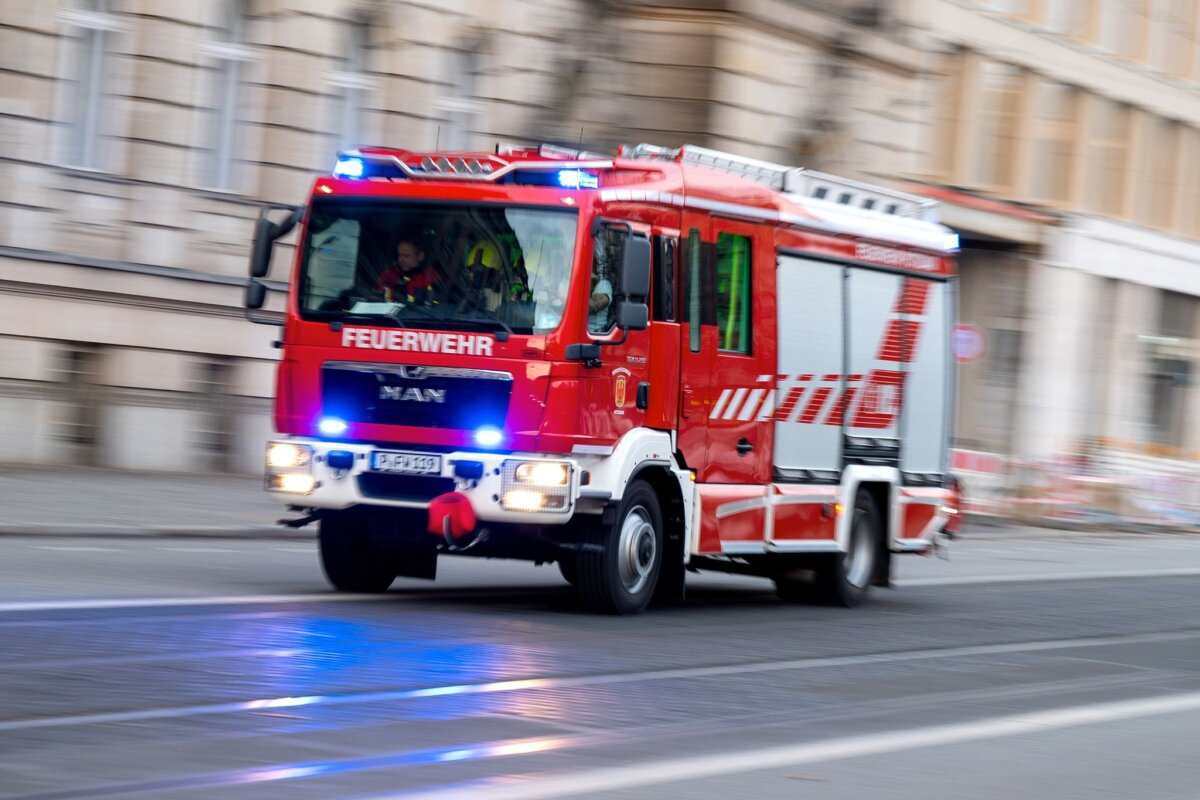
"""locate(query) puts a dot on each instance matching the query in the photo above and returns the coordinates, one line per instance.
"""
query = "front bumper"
(342, 475)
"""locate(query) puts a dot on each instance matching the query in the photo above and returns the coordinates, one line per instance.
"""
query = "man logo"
(411, 394)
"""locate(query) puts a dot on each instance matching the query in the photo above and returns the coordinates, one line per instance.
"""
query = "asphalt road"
(1041, 667)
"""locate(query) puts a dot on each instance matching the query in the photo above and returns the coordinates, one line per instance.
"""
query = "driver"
(410, 279)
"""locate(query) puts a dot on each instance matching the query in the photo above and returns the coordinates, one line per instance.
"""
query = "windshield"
(437, 265)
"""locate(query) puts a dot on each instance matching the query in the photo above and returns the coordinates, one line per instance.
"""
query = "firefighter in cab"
(410, 279)
(485, 276)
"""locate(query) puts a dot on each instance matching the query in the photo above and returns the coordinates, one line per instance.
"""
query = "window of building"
(1158, 176)
(78, 424)
(1189, 179)
(999, 88)
(227, 55)
(352, 82)
(1172, 367)
(1107, 156)
(461, 103)
(1172, 27)
(91, 27)
(214, 421)
(733, 292)
(1124, 25)
(1067, 17)
(1016, 8)
(1055, 133)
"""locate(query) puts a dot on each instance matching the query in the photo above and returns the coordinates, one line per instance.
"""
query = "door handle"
(744, 446)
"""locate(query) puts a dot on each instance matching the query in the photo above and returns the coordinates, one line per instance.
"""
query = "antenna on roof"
(579, 149)
(437, 138)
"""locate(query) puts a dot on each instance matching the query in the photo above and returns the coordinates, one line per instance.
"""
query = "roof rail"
(797, 180)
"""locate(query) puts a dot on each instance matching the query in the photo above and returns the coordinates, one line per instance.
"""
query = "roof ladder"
(797, 180)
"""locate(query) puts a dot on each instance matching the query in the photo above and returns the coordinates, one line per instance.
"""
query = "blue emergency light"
(577, 179)
(348, 168)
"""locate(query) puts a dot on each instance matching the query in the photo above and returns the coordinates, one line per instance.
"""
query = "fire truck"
(634, 366)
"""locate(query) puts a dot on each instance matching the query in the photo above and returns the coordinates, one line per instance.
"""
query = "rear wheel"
(351, 562)
(845, 578)
(618, 565)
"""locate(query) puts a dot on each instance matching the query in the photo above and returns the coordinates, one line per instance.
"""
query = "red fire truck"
(633, 366)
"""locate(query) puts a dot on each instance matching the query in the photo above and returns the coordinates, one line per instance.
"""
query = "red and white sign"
(968, 343)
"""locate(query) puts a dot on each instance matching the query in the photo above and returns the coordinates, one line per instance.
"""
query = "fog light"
(294, 482)
(524, 500)
(282, 455)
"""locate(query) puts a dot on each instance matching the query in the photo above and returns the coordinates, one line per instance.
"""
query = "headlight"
(282, 455)
(289, 468)
(535, 486)
(542, 473)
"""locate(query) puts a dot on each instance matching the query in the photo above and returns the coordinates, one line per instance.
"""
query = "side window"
(693, 264)
(607, 247)
(733, 292)
(666, 259)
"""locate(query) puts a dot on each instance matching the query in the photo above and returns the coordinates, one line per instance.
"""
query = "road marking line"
(73, 547)
(199, 549)
(609, 779)
(338, 597)
(536, 683)
(1039, 577)
(165, 602)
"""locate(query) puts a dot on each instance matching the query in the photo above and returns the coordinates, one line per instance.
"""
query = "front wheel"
(844, 579)
(618, 565)
(351, 562)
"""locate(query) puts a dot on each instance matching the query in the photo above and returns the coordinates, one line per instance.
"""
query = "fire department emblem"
(620, 381)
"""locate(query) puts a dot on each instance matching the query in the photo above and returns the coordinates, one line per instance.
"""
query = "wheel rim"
(636, 550)
(860, 560)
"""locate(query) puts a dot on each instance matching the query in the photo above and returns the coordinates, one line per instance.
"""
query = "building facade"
(139, 137)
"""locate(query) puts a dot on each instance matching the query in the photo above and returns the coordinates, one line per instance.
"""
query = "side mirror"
(265, 234)
(256, 293)
(632, 315)
(635, 269)
(260, 251)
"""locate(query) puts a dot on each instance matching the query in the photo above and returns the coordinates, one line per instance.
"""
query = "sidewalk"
(77, 501)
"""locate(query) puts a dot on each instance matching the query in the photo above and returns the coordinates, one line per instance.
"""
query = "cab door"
(727, 378)
(742, 354)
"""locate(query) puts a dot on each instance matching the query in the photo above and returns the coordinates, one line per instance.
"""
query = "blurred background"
(1062, 137)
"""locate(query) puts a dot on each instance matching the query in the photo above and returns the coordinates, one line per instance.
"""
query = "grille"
(423, 397)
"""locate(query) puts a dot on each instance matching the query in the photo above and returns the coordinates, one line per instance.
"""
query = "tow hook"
(453, 547)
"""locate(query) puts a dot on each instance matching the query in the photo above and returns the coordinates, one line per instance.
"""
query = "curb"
(156, 531)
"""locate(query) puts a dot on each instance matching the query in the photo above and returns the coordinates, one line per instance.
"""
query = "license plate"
(406, 463)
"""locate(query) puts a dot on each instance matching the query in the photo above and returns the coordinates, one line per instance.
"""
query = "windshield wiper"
(489, 322)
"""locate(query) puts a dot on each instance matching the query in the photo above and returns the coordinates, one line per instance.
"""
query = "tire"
(350, 562)
(844, 579)
(619, 564)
